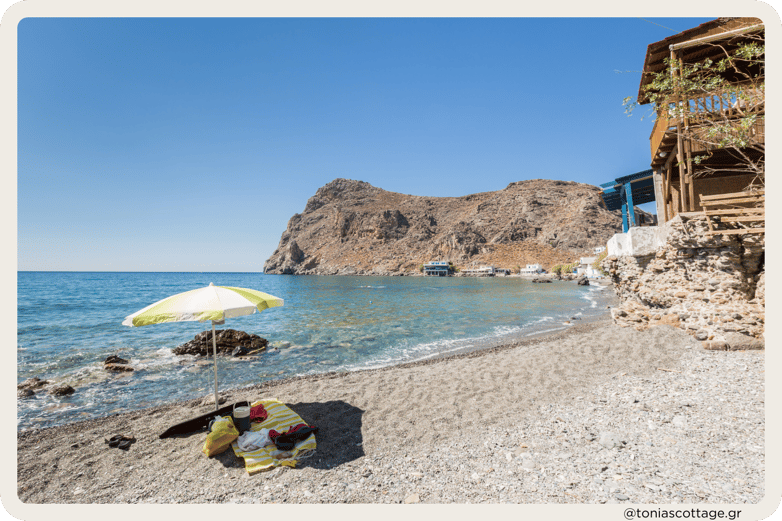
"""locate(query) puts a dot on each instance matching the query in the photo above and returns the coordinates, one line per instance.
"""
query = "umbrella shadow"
(338, 438)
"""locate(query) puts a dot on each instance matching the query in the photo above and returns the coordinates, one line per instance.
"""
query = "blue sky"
(187, 144)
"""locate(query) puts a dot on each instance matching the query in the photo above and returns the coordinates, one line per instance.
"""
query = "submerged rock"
(32, 384)
(62, 390)
(541, 280)
(118, 368)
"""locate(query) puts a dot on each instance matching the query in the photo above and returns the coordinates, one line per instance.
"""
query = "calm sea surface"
(68, 323)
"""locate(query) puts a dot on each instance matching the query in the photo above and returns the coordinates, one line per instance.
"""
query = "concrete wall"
(638, 241)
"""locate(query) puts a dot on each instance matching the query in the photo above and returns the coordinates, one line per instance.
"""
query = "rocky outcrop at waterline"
(353, 228)
(228, 341)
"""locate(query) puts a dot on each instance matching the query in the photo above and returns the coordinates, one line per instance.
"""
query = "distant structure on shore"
(531, 269)
(437, 269)
(482, 271)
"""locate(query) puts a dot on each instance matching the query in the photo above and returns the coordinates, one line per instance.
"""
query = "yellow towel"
(280, 418)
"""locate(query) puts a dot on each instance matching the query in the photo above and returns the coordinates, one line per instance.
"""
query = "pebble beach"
(594, 414)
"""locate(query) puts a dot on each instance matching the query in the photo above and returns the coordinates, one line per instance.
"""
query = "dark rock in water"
(24, 393)
(583, 281)
(116, 364)
(62, 390)
(227, 341)
(239, 351)
(118, 368)
(539, 280)
(32, 383)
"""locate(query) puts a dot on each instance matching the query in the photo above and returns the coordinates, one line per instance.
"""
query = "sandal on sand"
(120, 441)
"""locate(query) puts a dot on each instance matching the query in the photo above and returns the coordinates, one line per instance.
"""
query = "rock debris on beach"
(596, 414)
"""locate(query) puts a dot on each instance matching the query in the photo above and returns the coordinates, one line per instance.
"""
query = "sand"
(376, 426)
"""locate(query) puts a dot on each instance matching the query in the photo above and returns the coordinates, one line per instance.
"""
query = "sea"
(68, 323)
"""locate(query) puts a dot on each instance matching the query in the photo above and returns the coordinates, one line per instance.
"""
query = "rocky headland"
(353, 228)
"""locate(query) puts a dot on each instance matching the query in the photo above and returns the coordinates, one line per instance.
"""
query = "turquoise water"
(68, 323)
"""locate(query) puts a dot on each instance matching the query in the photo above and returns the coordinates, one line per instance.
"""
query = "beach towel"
(280, 418)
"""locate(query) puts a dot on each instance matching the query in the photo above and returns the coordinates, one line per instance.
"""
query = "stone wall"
(712, 286)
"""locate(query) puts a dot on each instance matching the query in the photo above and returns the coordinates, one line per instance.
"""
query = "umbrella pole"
(214, 352)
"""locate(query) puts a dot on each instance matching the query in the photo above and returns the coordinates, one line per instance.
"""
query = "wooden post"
(658, 193)
(668, 209)
(690, 180)
(668, 169)
(679, 127)
(680, 160)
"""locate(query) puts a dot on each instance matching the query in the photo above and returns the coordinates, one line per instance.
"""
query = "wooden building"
(691, 163)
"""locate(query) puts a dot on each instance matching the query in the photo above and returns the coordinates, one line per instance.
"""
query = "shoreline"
(597, 297)
(234, 394)
(501, 424)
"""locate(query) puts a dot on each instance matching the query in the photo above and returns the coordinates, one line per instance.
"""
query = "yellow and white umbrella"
(215, 303)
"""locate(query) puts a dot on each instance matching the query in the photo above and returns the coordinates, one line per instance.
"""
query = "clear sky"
(187, 144)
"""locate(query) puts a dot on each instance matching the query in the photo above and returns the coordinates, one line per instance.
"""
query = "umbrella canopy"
(215, 303)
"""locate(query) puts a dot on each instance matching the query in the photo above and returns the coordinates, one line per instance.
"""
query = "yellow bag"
(220, 438)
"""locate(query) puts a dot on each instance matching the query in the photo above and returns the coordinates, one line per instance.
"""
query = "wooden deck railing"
(738, 210)
(703, 110)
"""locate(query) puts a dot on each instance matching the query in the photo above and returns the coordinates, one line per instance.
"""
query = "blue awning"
(627, 191)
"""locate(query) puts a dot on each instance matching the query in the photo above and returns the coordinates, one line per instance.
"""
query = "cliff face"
(351, 227)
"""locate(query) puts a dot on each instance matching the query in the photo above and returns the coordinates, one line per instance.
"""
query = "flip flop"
(120, 441)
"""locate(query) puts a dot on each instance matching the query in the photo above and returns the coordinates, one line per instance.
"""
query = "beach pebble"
(609, 440)
(414, 498)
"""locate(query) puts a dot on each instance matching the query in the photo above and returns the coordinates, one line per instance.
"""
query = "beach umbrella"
(215, 303)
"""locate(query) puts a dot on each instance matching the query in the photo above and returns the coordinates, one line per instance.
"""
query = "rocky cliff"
(351, 227)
